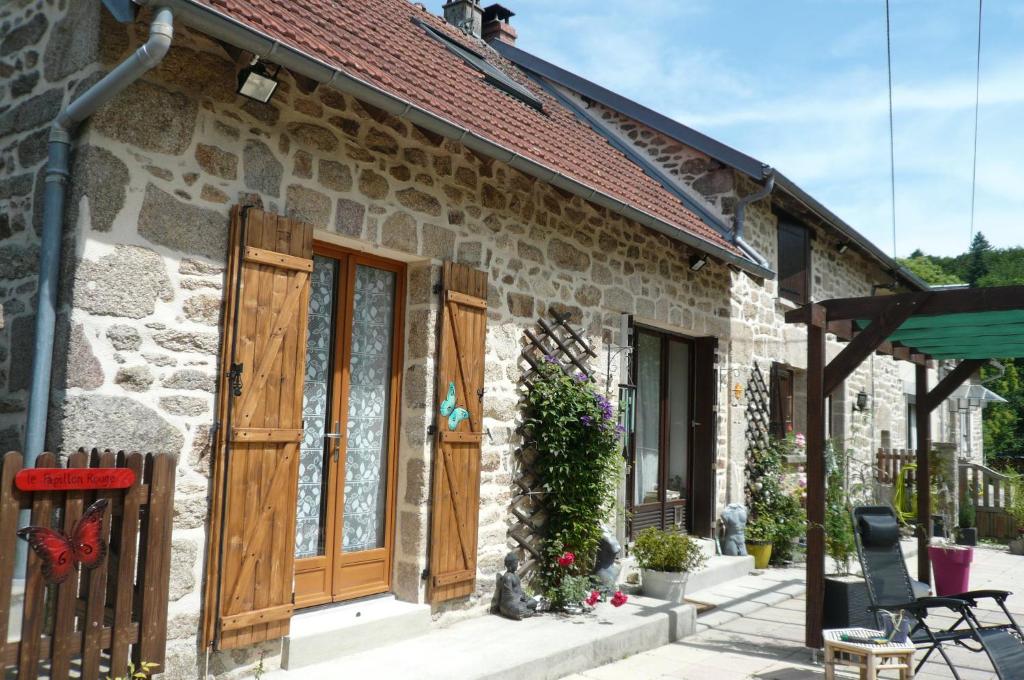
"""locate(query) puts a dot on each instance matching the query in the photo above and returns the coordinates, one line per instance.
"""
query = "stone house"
(399, 156)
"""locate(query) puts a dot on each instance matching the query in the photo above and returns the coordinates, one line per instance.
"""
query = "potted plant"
(846, 595)
(951, 563)
(665, 559)
(967, 534)
(760, 534)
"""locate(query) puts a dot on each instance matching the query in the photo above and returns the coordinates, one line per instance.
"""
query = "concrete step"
(328, 633)
(489, 647)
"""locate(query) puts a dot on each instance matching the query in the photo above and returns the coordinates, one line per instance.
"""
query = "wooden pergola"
(972, 325)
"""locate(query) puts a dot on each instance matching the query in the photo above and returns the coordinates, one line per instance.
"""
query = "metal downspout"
(741, 213)
(161, 32)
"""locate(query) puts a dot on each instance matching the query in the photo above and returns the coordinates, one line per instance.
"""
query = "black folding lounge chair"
(891, 588)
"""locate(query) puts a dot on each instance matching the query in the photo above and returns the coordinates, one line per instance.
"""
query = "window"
(781, 394)
(492, 75)
(794, 262)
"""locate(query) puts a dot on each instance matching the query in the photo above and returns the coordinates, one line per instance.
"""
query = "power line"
(892, 144)
(977, 100)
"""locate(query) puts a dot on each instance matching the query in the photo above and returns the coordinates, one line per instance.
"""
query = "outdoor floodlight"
(843, 247)
(255, 82)
(697, 262)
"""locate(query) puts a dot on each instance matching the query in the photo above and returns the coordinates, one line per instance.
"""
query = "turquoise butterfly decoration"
(449, 404)
(457, 416)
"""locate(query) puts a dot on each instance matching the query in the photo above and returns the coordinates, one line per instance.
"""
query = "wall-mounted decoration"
(60, 553)
(448, 405)
(70, 479)
(457, 416)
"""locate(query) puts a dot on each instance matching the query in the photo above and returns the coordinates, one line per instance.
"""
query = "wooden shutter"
(252, 530)
(794, 262)
(705, 435)
(456, 470)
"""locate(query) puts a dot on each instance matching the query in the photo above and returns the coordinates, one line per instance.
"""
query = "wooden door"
(346, 489)
(252, 536)
(456, 470)
(703, 479)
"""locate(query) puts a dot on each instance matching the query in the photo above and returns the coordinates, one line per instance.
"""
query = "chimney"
(465, 15)
(496, 25)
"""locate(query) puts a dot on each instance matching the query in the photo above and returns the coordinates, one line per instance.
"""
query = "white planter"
(665, 585)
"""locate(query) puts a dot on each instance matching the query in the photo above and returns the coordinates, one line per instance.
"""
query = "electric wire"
(892, 144)
(977, 100)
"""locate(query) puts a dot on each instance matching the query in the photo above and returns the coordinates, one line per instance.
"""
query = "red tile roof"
(377, 41)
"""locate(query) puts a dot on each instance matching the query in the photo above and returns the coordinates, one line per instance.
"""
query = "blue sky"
(801, 85)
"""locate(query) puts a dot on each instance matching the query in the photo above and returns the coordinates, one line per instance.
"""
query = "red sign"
(73, 479)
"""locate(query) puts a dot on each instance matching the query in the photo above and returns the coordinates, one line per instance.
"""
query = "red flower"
(593, 598)
(618, 599)
(566, 559)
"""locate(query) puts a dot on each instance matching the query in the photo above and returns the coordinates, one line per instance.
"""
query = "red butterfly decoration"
(60, 554)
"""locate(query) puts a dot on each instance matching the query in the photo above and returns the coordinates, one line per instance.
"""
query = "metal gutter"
(161, 32)
(737, 160)
(217, 25)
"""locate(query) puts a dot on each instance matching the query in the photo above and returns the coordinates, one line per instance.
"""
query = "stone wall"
(156, 172)
(48, 54)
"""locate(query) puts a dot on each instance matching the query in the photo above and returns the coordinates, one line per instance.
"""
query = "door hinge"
(437, 289)
(425, 574)
(235, 376)
(432, 429)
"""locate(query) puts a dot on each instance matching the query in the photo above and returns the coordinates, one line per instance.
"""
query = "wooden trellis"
(556, 341)
(758, 413)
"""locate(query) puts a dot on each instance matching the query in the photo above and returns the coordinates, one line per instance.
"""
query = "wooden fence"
(95, 621)
(991, 494)
(889, 463)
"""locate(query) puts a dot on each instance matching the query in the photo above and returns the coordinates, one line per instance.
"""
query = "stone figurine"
(512, 601)
(734, 518)
(606, 568)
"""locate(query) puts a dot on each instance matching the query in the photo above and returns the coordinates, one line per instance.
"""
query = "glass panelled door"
(660, 471)
(345, 507)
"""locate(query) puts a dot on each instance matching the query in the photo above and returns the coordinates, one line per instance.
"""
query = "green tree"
(977, 263)
(928, 270)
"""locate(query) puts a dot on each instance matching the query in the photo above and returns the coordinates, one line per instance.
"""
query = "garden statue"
(734, 517)
(512, 601)
(606, 568)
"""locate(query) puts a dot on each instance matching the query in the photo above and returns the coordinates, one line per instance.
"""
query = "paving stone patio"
(756, 631)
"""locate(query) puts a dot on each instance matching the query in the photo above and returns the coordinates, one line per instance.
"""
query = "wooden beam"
(869, 340)
(954, 379)
(998, 299)
(923, 485)
(815, 608)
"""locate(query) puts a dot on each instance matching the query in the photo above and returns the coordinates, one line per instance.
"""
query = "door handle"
(338, 435)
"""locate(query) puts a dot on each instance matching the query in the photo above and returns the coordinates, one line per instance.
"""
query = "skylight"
(492, 75)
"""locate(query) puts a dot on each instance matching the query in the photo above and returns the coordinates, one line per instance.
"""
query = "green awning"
(967, 335)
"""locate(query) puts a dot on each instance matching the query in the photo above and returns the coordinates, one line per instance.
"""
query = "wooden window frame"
(801, 292)
(777, 421)
(379, 560)
(662, 503)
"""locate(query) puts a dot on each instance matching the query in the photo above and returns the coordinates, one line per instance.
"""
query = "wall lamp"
(697, 262)
(862, 402)
(842, 247)
(255, 81)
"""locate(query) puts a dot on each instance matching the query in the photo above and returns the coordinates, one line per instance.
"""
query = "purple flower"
(606, 406)
(619, 429)
(587, 420)
(580, 378)
(550, 359)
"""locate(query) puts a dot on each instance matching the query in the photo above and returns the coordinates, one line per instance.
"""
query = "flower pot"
(967, 536)
(762, 552)
(846, 603)
(1017, 546)
(952, 568)
(665, 585)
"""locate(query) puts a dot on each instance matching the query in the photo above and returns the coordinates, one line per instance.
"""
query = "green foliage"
(968, 515)
(929, 271)
(776, 515)
(1016, 506)
(143, 672)
(570, 591)
(1003, 423)
(977, 259)
(839, 538)
(667, 551)
(579, 462)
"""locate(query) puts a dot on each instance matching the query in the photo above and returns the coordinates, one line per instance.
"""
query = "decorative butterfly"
(449, 403)
(457, 416)
(60, 553)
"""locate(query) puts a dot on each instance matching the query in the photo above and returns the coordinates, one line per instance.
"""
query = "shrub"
(839, 537)
(573, 429)
(667, 551)
(776, 515)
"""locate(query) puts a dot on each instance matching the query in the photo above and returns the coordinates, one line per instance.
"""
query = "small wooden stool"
(869, 658)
